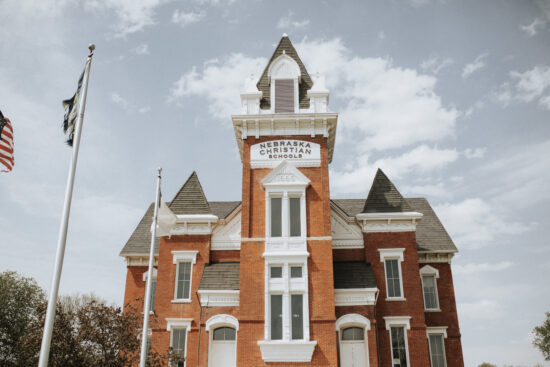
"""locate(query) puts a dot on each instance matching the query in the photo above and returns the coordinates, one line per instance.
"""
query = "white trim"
(178, 256)
(222, 320)
(286, 175)
(193, 224)
(435, 256)
(146, 274)
(389, 222)
(429, 270)
(285, 351)
(219, 297)
(227, 236)
(355, 296)
(353, 320)
(139, 260)
(391, 253)
(398, 321)
(345, 234)
(436, 330)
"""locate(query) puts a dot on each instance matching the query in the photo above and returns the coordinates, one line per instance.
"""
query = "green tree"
(485, 364)
(542, 337)
(19, 301)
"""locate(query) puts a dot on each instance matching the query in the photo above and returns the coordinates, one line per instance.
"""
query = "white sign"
(270, 153)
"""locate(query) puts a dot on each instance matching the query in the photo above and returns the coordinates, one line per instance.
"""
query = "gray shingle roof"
(190, 199)
(384, 197)
(221, 276)
(140, 240)
(430, 233)
(353, 274)
(222, 209)
(306, 83)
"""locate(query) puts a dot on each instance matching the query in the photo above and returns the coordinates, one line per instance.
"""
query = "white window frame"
(353, 320)
(175, 323)
(393, 254)
(428, 270)
(285, 196)
(221, 320)
(405, 323)
(145, 275)
(181, 257)
(437, 330)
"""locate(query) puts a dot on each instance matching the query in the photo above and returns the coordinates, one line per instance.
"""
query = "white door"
(222, 351)
(352, 348)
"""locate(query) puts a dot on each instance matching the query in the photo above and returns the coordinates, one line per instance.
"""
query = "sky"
(450, 98)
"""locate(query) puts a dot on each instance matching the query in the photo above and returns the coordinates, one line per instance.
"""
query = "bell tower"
(285, 134)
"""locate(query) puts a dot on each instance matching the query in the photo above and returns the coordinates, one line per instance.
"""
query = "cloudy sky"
(450, 98)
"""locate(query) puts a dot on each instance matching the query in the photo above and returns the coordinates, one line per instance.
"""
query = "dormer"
(284, 77)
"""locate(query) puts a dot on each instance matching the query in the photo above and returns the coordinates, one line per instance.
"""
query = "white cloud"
(183, 19)
(142, 49)
(219, 82)
(133, 15)
(434, 64)
(438, 190)
(484, 309)
(422, 159)
(126, 105)
(288, 22)
(545, 102)
(534, 27)
(531, 83)
(475, 65)
(474, 223)
(474, 269)
(475, 153)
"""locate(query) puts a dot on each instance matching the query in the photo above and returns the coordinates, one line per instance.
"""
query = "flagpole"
(147, 303)
(60, 253)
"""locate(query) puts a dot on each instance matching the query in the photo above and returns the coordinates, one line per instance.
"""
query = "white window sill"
(397, 299)
(433, 310)
(181, 301)
(287, 351)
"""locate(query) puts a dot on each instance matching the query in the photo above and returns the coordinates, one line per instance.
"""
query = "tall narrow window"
(297, 312)
(398, 346)
(437, 350)
(183, 282)
(393, 278)
(178, 346)
(276, 217)
(153, 291)
(430, 292)
(276, 317)
(284, 96)
(295, 222)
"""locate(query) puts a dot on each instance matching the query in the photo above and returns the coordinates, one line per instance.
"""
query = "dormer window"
(284, 74)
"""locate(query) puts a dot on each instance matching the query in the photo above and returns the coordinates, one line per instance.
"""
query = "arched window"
(352, 329)
(353, 333)
(224, 333)
(222, 349)
(284, 74)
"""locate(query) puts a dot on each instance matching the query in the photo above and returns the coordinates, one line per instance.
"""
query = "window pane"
(224, 333)
(392, 278)
(284, 95)
(276, 221)
(184, 280)
(153, 291)
(297, 316)
(353, 333)
(430, 294)
(178, 341)
(230, 333)
(276, 272)
(399, 352)
(276, 317)
(295, 225)
(437, 351)
(295, 271)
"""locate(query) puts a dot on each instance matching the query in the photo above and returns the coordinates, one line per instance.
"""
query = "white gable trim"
(286, 176)
(345, 235)
(228, 235)
(429, 270)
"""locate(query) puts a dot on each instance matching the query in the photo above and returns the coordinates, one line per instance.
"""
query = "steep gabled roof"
(221, 276)
(140, 240)
(384, 197)
(190, 199)
(306, 83)
(353, 274)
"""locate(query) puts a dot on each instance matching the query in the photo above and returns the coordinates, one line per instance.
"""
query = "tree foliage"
(19, 300)
(87, 331)
(542, 337)
(485, 364)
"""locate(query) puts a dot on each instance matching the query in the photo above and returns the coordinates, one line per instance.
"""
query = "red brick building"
(288, 276)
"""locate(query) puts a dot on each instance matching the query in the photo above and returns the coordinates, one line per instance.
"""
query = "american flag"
(6, 143)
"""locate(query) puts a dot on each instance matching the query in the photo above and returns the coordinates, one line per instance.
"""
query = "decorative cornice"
(190, 256)
(352, 319)
(345, 235)
(436, 330)
(355, 297)
(435, 257)
(139, 260)
(389, 222)
(222, 320)
(287, 351)
(398, 321)
(176, 322)
(213, 298)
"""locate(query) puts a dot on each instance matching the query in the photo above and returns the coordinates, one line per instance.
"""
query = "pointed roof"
(190, 199)
(263, 83)
(384, 197)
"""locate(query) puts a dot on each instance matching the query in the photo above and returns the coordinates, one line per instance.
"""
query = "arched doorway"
(352, 336)
(222, 351)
